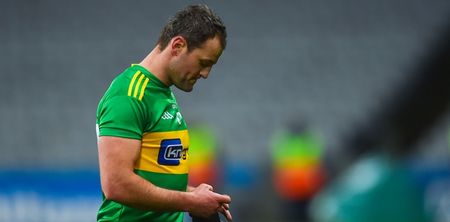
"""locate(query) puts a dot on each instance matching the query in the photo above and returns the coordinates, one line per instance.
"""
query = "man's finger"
(222, 198)
(226, 206)
(225, 213)
(207, 186)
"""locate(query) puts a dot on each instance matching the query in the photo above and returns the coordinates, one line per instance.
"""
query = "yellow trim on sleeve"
(132, 82)
(143, 88)
(136, 88)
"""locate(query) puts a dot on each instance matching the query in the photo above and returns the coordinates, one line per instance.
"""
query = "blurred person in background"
(143, 141)
(203, 150)
(384, 181)
(298, 173)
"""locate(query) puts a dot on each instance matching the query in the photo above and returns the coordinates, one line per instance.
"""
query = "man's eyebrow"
(208, 61)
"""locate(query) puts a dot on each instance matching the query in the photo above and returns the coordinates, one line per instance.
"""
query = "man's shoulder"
(130, 83)
(123, 79)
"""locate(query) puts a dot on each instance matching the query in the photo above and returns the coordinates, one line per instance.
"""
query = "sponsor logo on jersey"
(166, 116)
(170, 152)
(179, 118)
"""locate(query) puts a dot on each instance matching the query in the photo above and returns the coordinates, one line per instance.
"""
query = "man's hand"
(225, 210)
(209, 202)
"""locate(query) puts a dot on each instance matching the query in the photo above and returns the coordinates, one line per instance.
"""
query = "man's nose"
(205, 72)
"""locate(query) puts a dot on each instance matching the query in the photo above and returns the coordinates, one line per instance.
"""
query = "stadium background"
(330, 65)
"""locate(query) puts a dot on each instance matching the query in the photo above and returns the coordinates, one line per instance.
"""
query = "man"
(143, 141)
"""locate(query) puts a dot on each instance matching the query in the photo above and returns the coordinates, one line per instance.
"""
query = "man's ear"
(177, 45)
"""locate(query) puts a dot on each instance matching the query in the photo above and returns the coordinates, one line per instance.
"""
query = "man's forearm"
(136, 192)
(190, 188)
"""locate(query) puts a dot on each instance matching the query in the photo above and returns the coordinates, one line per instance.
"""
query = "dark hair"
(196, 23)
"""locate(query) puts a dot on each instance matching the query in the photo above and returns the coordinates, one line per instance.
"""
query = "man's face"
(187, 67)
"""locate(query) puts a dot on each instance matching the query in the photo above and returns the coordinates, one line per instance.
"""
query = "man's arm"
(119, 183)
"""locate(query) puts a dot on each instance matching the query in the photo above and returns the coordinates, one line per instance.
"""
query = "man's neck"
(156, 62)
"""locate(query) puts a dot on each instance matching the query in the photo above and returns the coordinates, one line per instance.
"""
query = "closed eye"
(206, 63)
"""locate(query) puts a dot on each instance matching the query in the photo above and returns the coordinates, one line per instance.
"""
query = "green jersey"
(139, 106)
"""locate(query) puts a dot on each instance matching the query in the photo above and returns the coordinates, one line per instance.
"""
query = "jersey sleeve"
(121, 116)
